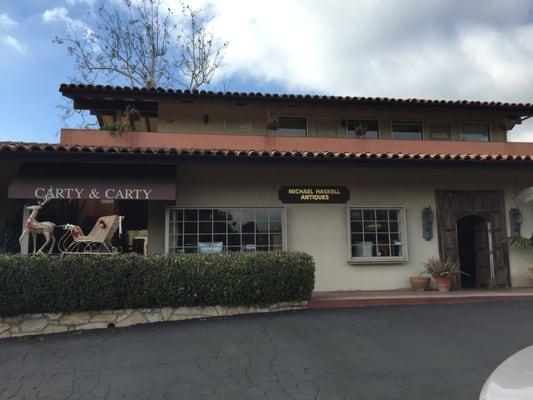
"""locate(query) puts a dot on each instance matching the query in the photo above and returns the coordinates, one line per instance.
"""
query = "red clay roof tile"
(70, 89)
(22, 147)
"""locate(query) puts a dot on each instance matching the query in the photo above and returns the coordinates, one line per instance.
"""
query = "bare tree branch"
(143, 44)
(201, 56)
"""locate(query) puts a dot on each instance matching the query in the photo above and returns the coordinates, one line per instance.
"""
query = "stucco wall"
(322, 230)
(189, 117)
(156, 226)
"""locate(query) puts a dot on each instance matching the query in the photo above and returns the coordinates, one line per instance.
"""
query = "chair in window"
(250, 247)
(210, 247)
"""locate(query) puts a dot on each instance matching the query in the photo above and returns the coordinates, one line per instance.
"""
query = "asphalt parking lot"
(408, 352)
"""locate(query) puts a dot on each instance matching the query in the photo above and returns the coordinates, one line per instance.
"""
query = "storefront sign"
(105, 193)
(314, 194)
(94, 182)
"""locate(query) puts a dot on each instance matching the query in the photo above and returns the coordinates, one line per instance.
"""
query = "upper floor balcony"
(256, 121)
(315, 146)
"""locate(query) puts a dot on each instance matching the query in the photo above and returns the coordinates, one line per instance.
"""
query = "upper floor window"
(439, 131)
(475, 132)
(362, 129)
(237, 125)
(292, 126)
(326, 127)
(407, 130)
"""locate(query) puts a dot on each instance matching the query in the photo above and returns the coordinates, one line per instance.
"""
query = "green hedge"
(36, 284)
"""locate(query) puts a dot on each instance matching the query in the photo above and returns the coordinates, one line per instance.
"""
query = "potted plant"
(522, 243)
(133, 114)
(443, 271)
(419, 282)
(272, 122)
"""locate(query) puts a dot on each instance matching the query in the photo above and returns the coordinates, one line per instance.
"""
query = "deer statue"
(38, 228)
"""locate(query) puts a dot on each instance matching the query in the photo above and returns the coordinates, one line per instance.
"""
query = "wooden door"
(452, 205)
(500, 255)
(482, 249)
(447, 210)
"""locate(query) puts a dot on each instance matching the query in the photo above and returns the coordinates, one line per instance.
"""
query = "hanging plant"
(126, 121)
(133, 114)
(114, 128)
(361, 129)
(272, 122)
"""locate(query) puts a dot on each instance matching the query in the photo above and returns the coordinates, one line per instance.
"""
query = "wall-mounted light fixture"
(427, 223)
(515, 219)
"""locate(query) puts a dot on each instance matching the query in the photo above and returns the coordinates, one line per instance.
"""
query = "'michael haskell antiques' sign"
(314, 194)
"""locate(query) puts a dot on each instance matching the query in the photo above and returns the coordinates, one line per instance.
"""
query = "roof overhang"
(94, 96)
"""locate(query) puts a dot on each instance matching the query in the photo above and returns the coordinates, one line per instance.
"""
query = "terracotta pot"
(444, 282)
(134, 116)
(419, 283)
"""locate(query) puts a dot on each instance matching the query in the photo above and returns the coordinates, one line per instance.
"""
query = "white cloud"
(451, 49)
(57, 14)
(437, 49)
(13, 43)
(6, 22)
(61, 14)
(522, 132)
(10, 41)
(75, 2)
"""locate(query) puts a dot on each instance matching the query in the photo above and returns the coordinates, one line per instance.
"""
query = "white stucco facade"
(323, 230)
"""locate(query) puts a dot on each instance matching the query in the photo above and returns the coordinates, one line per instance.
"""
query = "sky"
(431, 49)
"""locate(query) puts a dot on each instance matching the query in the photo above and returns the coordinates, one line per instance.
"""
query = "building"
(371, 187)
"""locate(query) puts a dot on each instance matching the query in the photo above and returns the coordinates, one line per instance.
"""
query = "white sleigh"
(98, 241)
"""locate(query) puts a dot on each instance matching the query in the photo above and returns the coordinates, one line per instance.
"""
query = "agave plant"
(520, 242)
(442, 267)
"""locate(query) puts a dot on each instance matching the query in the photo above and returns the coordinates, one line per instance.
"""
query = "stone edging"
(39, 324)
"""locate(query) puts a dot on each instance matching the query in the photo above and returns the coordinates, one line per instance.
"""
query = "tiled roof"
(22, 147)
(73, 89)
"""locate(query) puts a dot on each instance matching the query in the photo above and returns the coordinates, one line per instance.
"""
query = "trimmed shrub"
(37, 284)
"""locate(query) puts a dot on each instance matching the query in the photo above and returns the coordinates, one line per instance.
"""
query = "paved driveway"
(417, 352)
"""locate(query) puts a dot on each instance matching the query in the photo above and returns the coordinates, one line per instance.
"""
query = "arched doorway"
(454, 205)
(474, 244)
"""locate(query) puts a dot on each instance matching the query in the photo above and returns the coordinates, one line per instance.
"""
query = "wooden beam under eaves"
(98, 104)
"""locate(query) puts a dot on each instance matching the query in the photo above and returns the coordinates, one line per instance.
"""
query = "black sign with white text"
(314, 194)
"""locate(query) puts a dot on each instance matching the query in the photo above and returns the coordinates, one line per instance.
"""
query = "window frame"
(489, 138)
(450, 135)
(293, 116)
(381, 259)
(315, 132)
(422, 136)
(177, 207)
(240, 120)
(362, 119)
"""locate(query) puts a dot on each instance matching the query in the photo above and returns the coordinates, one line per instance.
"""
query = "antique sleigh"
(98, 241)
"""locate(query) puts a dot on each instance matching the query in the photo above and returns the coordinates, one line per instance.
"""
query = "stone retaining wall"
(38, 324)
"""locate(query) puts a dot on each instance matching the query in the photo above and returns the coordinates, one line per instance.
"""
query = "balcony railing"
(223, 141)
